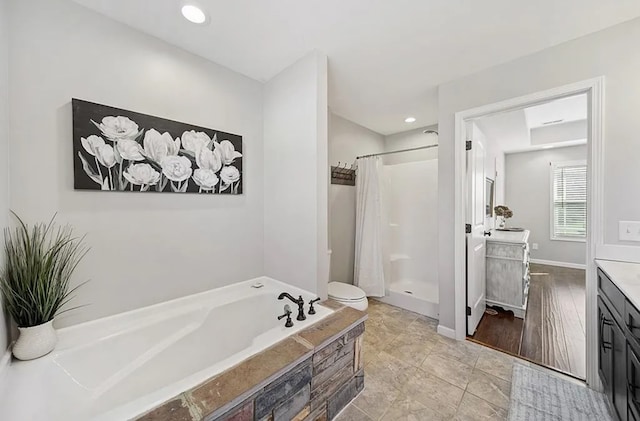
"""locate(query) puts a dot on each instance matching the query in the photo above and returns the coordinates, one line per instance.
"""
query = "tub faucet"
(299, 301)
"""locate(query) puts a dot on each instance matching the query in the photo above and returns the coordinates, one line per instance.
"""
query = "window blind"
(569, 213)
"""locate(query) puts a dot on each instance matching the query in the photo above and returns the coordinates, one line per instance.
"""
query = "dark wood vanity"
(618, 349)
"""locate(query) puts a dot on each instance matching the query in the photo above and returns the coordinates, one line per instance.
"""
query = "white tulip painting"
(119, 150)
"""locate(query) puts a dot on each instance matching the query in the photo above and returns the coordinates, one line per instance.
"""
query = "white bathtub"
(121, 366)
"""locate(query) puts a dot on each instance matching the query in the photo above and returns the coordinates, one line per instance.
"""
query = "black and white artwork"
(121, 150)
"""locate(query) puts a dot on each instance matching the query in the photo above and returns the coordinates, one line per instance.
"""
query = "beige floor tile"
(410, 349)
(473, 408)
(496, 363)
(370, 353)
(376, 397)
(376, 308)
(400, 315)
(434, 393)
(463, 351)
(448, 369)
(352, 413)
(423, 327)
(377, 334)
(389, 369)
(489, 388)
(405, 409)
(394, 389)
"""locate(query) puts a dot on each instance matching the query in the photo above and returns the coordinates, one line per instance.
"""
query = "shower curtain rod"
(401, 150)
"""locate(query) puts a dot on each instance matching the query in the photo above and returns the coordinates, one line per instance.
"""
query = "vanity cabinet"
(618, 349)
(507, 270)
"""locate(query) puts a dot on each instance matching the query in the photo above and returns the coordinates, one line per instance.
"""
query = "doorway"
(528, 204)
(469, 296)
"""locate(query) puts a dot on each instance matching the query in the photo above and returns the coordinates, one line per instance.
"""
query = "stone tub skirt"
(310, 375)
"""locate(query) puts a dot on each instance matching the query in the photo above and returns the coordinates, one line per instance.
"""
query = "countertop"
(509, 236)
(626, 276)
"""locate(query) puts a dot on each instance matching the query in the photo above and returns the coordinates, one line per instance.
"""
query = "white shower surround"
(411, 194)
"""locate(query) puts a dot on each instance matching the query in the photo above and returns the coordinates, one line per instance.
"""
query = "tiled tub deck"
(309, 376)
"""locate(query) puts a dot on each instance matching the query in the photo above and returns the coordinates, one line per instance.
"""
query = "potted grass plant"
(39, 262)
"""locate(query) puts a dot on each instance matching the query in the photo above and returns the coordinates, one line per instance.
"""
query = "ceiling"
(386, 58)
(525, 129)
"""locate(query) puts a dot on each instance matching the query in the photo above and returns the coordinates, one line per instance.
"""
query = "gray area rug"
(538, 396)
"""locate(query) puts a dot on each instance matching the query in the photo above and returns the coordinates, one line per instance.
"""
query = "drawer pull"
(631, 328)
(604, 344)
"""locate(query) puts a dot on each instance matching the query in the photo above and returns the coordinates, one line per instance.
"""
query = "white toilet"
(349, 295)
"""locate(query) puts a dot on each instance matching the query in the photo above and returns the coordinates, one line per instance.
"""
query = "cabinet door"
(620, 384)
(633, 383)
(605, 348)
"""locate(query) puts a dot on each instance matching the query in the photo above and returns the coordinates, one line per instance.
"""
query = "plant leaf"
(39, 263)
(88, 170)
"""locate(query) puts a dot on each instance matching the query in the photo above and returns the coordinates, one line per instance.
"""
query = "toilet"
(349, 295)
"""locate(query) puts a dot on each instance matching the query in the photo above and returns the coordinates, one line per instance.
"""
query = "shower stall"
(405, 193)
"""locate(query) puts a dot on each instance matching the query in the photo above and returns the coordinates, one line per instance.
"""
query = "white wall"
(347, 140)
(145, 248)
(572, 130)
(528, 194)
(605, 53)
(4, 140)
(296, 173)
(411, 139)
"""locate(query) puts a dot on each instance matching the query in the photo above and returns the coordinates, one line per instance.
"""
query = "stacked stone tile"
(310, 376)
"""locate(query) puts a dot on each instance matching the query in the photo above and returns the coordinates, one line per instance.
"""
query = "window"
(569, 201)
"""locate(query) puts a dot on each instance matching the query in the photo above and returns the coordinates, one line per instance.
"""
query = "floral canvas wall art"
(119, 150)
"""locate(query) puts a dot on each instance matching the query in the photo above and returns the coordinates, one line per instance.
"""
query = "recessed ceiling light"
(410, 120)
(193, 14)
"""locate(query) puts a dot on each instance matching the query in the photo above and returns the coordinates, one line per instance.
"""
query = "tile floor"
(412, 373)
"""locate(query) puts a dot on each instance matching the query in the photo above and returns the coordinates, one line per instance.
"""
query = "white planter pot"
(35, 341)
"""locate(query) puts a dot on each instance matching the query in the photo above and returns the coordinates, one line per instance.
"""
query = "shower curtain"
(369, 268)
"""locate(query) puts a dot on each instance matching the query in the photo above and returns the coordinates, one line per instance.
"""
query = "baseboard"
(518, 312)
(445, 331)
(560, 264)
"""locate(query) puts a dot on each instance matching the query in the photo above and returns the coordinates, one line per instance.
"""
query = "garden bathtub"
(118, 367)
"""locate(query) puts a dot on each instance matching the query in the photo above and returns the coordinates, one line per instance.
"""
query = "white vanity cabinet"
(508, 270)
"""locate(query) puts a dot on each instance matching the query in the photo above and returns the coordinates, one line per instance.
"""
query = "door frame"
(594, 88)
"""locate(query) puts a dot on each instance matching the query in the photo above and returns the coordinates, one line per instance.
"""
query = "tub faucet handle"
(311, 309)
(287, 314)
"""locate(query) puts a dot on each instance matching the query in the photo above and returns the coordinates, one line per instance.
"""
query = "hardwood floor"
(553, 331)
(502, 331)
